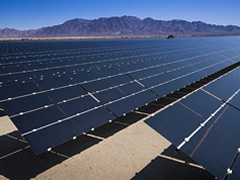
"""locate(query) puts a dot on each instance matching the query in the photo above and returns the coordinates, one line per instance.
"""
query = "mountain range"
(123, 26)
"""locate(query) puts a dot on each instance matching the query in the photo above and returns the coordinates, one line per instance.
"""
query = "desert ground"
(103, 37)
(118, 150)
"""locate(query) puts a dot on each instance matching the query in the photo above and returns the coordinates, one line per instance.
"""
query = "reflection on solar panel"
(205, 125)
(56, 90)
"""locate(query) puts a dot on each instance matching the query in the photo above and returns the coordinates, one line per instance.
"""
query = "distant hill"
(123, 26)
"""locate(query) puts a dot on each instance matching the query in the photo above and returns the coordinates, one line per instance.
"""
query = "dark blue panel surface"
(128, 104)
(55, 82)
(66, 93)
(39, 73)
(168, 123)
(108, 72)
(116, 93)
(230, 81)
(216, 152)
(78, 105)
(16, 78)
(84, 76)
(149, 82)
(216, 143)
(236, 73)
(169, 87)
(224, 87)
(61, 132)
(229, 122)
(36, 119)
(220, 90)
(24, 104)
(15, 90)
(106, 83)
(191, 78)
(198, 101)
(87, 121)
(139, 74)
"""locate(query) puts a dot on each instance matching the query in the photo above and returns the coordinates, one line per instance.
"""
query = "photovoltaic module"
(54, 91)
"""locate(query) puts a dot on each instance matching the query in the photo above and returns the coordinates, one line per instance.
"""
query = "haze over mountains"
(123, 26)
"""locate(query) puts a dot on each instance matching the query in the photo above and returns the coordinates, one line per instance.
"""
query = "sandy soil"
(6, 125)
(104, 37)
(75, 37)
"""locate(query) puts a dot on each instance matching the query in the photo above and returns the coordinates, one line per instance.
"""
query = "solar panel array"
(205, 125)
(54, 91)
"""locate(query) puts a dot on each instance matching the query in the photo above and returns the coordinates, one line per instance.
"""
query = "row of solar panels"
(205, 125)
(104, 69)
(45, 48)
(52, 106)
(40, 52)
(14, 66)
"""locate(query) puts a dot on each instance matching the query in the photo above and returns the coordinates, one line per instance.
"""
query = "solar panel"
(205, 127)
(170, 126)
(197, 103)
(64, 93)
(130, 102)
(106, 83)
(47, 85)
(129, 94)
(229, 82)
(24, 104)
(61, 129)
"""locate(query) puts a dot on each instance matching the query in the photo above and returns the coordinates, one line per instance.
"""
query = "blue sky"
(31, 14)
